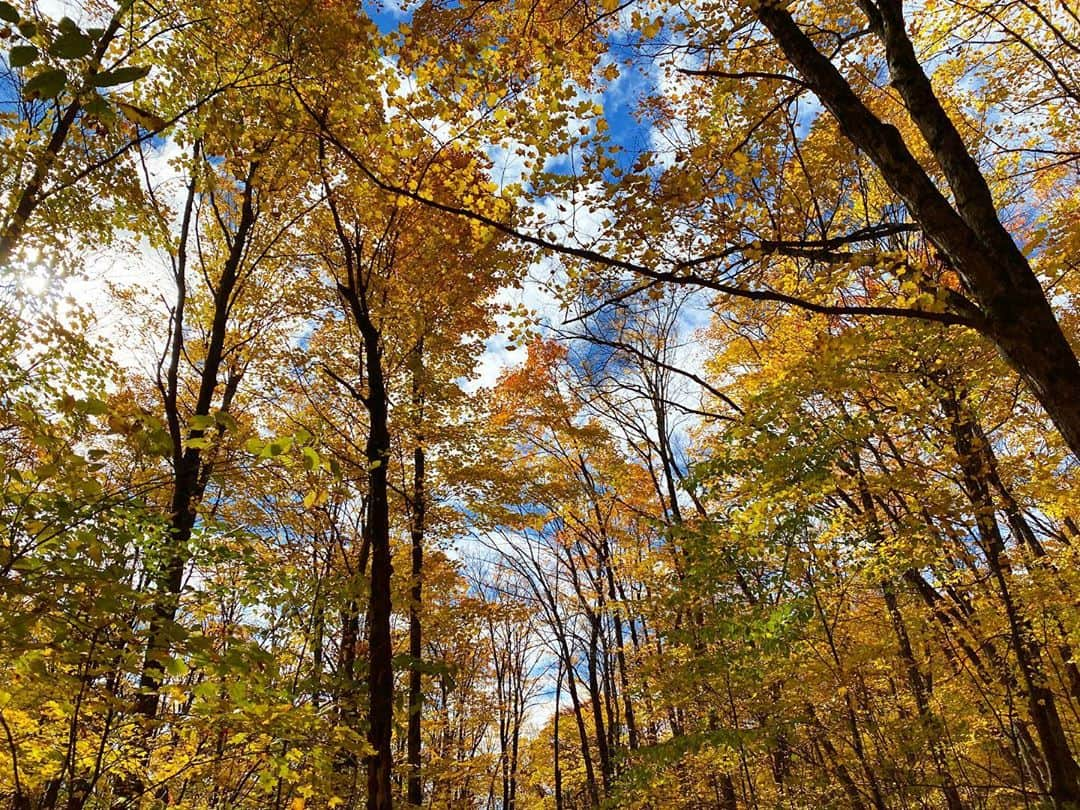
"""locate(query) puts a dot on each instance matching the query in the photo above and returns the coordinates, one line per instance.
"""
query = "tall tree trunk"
(838, 767)
(191, 469)
(620, 643)
(921, 692)
(415, 792)
(555, 743)
(1013, 311)
(376, 536)
(728, 798)
(380, 648)
(597, 701)
(1062, 769)
(916, 682)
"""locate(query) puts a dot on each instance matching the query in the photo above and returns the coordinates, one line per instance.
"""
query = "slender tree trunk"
(916, 682)
(355, 293)
(921, 692)
(838, 767)
(190, 467)
(415, 792)
(1063, 772)
(1024, 533)
(597, 701)
(620, 647)
(728, 798)
(555, 730)
(347, 696)
(583, 734)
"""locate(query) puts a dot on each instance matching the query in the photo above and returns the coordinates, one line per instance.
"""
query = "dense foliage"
(776, 505)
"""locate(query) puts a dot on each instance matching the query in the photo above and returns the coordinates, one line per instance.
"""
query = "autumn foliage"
(539, 405)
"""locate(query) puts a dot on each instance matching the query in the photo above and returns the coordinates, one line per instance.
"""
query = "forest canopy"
(547, 405)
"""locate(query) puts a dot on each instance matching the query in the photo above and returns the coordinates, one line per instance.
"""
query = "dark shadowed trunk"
(415, 792)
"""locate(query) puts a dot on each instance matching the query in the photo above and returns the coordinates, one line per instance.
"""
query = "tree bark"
(380, 647)
(415, 791)
(1015, 313)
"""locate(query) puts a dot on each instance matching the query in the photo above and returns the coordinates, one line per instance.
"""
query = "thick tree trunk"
(1014, 311)
(380, 648)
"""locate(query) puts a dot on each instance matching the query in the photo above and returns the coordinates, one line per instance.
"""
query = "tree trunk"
(555, 754)
(380, 649)
(1013, 309)
(1063, 772)
(191, 469)
(415, 792)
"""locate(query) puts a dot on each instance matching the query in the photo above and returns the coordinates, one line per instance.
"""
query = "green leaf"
(201, 421)
(92, 405)
(141, 117)
(47, 84)
(122, 75)
(28, 28)
(282, 444)
(67, 25)
(177, 667)
(22, 55)
(254, 446)
(8, 13)
(226, 420)
(71, 45)
(98, 107)
(311, 459)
